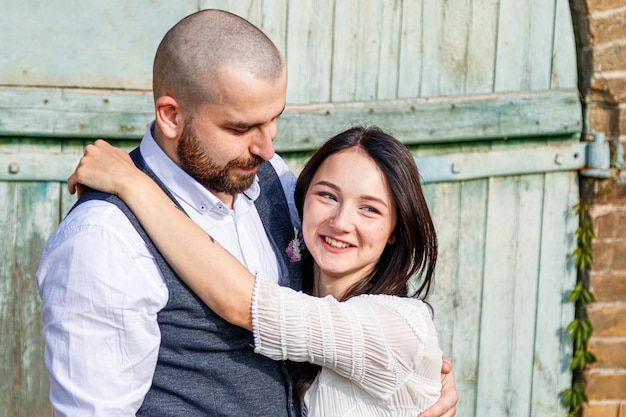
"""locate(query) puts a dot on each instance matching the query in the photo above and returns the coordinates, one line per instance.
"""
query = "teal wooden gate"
(483, 92)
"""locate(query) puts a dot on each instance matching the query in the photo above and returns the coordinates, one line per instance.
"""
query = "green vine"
(580, 328)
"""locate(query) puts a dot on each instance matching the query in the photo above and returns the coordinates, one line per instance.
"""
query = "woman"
(367, 231)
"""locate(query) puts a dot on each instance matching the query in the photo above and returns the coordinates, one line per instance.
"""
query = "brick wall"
(600, 27)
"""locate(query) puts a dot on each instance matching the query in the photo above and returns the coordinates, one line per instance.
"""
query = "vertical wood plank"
(388, 60)
(539, 59)
(497, 320)
(411, 49)
(524, 297)
(30, 215)
(309, 51)
(481, 46)
(445, 209)
(345, 51)
(461, 220)
(512, 46)
(564, 72)
(469, 288)
(365, 50)
(557, 276)
(368, 31)
(432, 33)
(454, 45)
(524, 50)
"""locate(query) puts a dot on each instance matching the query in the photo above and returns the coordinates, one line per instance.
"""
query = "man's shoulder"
(96, 217)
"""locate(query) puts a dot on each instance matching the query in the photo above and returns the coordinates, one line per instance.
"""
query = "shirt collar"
(181, 184)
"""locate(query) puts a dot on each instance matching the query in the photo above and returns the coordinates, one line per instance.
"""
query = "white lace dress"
(379, 353)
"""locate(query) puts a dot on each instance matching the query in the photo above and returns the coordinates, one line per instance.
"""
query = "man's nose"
(263, 143)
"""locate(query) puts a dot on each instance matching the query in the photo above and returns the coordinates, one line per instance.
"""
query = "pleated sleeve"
(379, 342)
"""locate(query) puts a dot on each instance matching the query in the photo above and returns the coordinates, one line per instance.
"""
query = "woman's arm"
(190, 251)
(379, 342)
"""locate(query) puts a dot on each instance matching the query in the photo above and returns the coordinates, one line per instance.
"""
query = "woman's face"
(348, 217)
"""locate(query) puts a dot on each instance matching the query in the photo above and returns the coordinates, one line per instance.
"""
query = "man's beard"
(196, 162)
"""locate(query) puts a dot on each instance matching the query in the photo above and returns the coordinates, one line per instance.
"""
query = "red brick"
(607, 27)
(609, 288)
(610, 57)
(607, 88)
(603, 410)
(603, 5)
(609, 255)
(607, 320)
(603, 118)
(606, 387)
(611, 191)
(610, 354)
(609, 224)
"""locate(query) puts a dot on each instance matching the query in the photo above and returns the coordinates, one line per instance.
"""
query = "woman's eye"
(327, 195)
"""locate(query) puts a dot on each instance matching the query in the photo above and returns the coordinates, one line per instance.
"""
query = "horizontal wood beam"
(57, 166)
(76, 113)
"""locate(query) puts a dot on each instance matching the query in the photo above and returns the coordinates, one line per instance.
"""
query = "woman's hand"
(102, 167)
(446, 405)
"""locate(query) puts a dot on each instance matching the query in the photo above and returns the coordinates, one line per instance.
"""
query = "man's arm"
(100, 298)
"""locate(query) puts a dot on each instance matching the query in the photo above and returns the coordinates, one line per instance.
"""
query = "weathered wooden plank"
(557, 276)
(444, 203)
(564, 70)
(453, 50)
(368, 39)
(497, 320)
(512, 46)
(96, 44)
(541, 32)
(309, 40)
(481, 47)
(74, 113)
(432, 33)
(469, 290)
(435, 120)
(28, 166)
(362, 30)
(501, 162)
(524, 50)
(524, 296)
(410, 70)
(30, 213)
(459, 213)
(388, 62)
(121, 114)
(345, 50)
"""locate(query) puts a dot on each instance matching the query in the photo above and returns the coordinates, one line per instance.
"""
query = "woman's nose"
(342, 219)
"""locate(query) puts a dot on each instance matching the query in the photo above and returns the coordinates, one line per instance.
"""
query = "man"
(123, 334)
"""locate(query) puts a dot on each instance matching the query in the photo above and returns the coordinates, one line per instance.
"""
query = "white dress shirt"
(101, 289)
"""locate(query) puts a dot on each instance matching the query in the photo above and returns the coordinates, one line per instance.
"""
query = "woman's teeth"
(335, 243)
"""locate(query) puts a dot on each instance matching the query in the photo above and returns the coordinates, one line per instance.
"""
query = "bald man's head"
(192, 52)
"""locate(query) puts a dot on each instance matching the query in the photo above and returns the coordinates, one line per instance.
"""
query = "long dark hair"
(413, 251)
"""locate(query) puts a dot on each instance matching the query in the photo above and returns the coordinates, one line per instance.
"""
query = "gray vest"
(206, 366)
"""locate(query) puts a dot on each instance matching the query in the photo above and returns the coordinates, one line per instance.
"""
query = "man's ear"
(169, 117)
